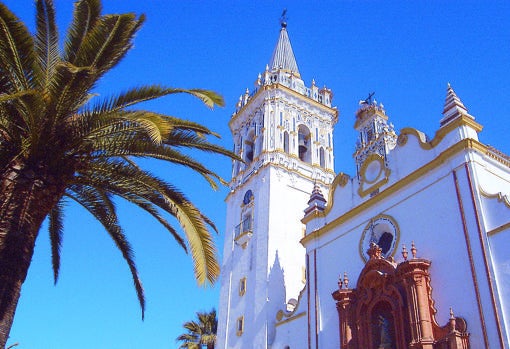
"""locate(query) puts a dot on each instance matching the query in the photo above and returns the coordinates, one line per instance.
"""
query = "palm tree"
(200, 333)
(59, 144)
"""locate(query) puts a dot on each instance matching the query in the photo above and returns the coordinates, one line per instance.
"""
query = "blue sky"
(405, 51)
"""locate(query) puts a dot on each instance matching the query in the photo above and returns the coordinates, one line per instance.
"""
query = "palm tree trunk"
(24, 203)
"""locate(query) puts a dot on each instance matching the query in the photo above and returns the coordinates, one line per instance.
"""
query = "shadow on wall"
(276, 295)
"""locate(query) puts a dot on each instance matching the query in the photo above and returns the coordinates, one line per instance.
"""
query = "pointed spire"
(283, 56)
(316, 194)
(317, 201)
(453, 107)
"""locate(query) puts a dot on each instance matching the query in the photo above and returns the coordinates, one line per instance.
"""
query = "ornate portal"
(392, 308)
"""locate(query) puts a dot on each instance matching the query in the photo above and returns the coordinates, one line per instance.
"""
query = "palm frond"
(210, 98)
(210, 223)
(102, 208)
(201, 332)
(56, 229)
(85, 16)
(131, 97)
(184, 138)
(201, 244)
(16, 51)
(11, 97)
(152, 210)
(108, 41)
(156, 127)
(46, 42)
(13, 114)
(137, 148)
(70, 89)
(119, 177)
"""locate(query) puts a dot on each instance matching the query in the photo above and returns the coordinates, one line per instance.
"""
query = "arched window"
(244, 229)
(248, 197)
(249, 149)
(286, 142)
(322, 159)
(304, 144)
(382, 326)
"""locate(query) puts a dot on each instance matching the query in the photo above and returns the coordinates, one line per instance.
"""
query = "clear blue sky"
(405, 51)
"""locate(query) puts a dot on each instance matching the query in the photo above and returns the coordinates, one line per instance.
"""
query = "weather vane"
(283, 18)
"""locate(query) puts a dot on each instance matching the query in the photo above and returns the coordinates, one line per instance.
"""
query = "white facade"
(283, 132)
(451, 197)
(443, 202)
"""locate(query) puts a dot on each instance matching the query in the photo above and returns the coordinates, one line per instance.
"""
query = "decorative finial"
(404, 252)
(374, 251)
(340, 282)
(413, 249)
(346, 280)
(283, 18)
(453, 107)
(452, 321)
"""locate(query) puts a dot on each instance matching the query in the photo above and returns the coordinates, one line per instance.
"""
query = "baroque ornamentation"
(392, 307)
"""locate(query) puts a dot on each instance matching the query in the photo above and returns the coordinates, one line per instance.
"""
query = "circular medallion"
(373, 171)
(383, 231)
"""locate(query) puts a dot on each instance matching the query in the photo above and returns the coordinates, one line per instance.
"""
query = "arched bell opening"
(249, 148)
(286, 142)
(304, 144)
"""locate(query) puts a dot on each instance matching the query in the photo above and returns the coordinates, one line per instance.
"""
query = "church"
(408, 252)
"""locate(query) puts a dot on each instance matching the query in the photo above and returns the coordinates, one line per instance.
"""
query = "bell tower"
(376, 135)
(283, 131)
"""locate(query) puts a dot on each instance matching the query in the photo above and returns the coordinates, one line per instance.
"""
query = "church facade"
(411, 251)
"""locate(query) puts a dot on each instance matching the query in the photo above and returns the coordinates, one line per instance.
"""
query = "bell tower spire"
(283, 57)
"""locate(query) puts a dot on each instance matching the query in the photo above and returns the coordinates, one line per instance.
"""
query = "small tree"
(200, 333)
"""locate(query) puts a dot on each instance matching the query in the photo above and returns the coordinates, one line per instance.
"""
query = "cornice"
(499, 156)
(499, 196)
(297, 316)
(465, 144)
(312, 215)
(325, 172)
(372, 112)
(463, 120)
(244, 107)
(304, 98)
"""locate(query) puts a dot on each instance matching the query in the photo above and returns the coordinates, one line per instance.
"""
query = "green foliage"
(85, 150)
(201, 332)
